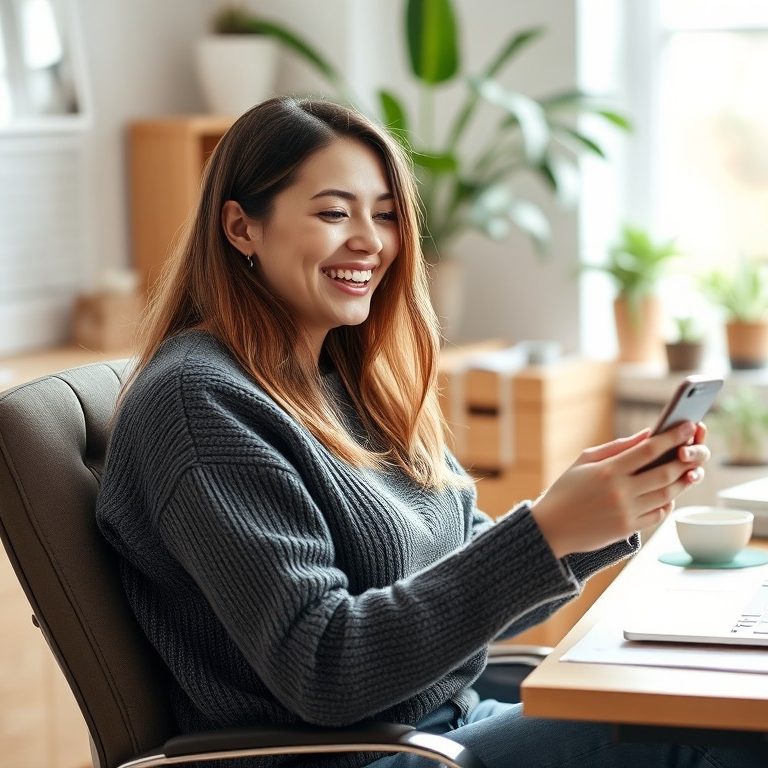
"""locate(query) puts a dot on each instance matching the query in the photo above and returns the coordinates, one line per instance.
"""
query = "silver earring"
(250, 260)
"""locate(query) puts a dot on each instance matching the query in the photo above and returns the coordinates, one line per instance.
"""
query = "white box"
(752, 496)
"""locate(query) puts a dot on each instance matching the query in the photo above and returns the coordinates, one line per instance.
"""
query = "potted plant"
(636, 262)
(471, 188)
(236, 61)
(743, 295)
(686, 351)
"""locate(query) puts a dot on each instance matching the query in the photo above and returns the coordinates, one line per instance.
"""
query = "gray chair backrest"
(53, 437)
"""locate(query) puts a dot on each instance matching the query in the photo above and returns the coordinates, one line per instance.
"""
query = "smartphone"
(691, 401)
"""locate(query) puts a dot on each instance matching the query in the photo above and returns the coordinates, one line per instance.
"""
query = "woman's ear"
(242, 231)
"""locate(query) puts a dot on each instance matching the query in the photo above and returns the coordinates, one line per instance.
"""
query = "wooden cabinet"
(166, 161)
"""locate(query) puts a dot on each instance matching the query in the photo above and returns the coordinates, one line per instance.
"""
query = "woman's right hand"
(600, 498)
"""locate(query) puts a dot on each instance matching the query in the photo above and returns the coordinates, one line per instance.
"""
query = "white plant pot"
(235, 71)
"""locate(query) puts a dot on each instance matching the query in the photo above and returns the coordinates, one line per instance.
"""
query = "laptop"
(707, 607)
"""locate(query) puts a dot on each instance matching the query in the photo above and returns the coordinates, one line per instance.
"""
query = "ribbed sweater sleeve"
(259, 548)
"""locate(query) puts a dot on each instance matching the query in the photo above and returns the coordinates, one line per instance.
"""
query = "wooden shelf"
(166, 161)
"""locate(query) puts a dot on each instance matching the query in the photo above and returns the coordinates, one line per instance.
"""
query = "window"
(691, 74)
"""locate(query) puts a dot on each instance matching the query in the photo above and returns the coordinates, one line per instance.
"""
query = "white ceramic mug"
(713, 534)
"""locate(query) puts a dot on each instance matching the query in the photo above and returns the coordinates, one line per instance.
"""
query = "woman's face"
(330, 237)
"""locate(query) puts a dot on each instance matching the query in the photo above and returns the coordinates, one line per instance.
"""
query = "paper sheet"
(605, 644)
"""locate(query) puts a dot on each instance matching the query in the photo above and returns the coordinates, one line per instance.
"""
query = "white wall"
(140, 61)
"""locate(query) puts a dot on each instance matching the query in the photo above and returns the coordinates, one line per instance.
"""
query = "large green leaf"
(394, 118)
(433, 45)
(524, 111)
(512, 46)
(442, 163)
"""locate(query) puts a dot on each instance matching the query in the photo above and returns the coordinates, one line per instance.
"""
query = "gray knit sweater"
(281, 585)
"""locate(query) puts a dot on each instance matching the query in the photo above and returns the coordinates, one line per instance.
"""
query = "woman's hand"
(600, 498)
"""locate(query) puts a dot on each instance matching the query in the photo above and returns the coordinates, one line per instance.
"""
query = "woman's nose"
(365, 238)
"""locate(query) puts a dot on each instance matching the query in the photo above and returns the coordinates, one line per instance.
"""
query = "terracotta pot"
(684, 356)
(446, 290)
(639, 333)
(747, 345)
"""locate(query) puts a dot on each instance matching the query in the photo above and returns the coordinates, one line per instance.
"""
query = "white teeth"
(353, 275)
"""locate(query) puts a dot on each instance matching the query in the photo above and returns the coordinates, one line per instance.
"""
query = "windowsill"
(654, 384)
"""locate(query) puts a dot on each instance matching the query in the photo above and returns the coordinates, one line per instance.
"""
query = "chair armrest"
(250, 742)
(509, 653)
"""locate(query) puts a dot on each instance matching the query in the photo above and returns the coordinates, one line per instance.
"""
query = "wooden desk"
(649, 696)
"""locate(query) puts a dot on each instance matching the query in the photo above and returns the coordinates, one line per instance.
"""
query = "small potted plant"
(686, 351)
(636, 263)
(743, 295)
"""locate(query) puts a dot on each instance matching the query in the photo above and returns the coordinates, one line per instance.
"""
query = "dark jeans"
(502, 738)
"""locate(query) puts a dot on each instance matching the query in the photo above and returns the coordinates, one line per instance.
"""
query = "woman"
(296, 541)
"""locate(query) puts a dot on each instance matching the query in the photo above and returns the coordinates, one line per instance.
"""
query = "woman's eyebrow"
(349, 195)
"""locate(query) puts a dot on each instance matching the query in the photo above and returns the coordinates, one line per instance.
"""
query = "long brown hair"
(387, 363)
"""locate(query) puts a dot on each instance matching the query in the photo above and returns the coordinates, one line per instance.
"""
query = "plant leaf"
(443, 163)
(614, 117)
(394, 117)
(585, 103)
(432, 34)
(578, 138)
(298, 45)
(562, 176)
(532, 220)
(522, 110)
(496, 209)
(507, 51)
(511, 47)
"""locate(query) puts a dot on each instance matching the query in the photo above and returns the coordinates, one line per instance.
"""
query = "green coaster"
(746, 558)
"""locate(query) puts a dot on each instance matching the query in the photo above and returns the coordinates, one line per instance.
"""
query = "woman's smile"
(353, 279)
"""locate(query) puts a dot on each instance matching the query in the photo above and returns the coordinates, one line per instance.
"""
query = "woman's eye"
(333, 215)
(387, 216)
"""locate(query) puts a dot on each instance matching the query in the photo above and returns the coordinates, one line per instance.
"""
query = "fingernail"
(687, 454)
(697, 475)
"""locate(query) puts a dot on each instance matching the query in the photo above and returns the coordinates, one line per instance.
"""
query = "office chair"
(53, 437)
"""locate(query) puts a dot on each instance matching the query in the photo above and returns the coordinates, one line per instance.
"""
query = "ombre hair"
(388, 363)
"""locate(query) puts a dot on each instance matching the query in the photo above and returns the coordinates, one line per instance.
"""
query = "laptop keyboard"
(754, 617)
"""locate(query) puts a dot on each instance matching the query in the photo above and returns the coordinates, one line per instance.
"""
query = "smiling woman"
(295, 537)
